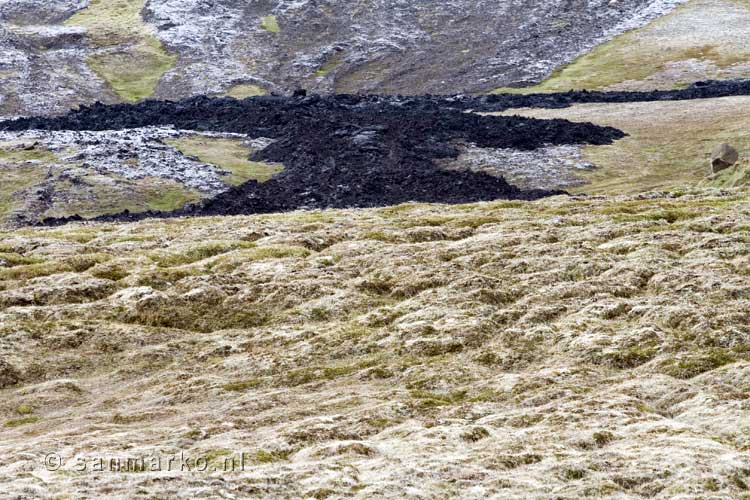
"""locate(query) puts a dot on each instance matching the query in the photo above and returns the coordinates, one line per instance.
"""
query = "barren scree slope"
(57, 54)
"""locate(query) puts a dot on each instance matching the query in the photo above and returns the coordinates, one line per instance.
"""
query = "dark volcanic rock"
(698, 90)
(344, 151)
(362, 151)
(723, 157)
(9, 375)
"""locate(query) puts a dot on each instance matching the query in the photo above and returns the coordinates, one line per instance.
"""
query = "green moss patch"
(689, 365)
(301, 376)
(21, 153)
(13, 259)
(130, 58)
(34, 271)
(242, 385)
(21, 421)
(244, 90)
(169, 197)
(24, 409)
(229, 154)
(270, 23)
(133, 73)
(196, 253)
(267, 457)
(330, 65)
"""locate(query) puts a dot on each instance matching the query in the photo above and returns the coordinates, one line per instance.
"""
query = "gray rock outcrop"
(723, 157)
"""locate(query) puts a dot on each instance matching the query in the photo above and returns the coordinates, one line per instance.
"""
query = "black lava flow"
(344, 151)
(699, 90)
(340, 151)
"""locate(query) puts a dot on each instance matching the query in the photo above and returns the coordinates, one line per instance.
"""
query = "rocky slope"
(57, 54)
(60, 173)
(565, 348)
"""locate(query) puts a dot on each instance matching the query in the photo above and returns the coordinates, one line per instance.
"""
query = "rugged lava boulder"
(723, 157)
(9, 375)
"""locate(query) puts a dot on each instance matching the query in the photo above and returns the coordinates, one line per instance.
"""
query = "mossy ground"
(244, 90)
(229, 154)
(129, 57)
(22, 166)
(270, 24)
(736, 176)
(100, 196)
(331, 64)
(585, 345)
(21, 153)
(165, 196)
(26, 166)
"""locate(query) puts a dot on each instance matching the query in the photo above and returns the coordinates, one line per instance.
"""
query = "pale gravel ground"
(130, 154)
(549, 167)
(567, 348)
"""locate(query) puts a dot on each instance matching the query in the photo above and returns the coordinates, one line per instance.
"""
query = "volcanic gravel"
(342, 151)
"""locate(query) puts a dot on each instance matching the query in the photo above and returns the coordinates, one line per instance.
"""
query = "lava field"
(344, 151)
(341, 151)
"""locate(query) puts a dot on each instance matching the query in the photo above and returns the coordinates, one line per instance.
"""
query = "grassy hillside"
(702, 39)
(668, 144)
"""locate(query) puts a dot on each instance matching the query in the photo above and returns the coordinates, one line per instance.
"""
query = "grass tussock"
(46, 268)
(196, 316)
(196, 253)
(21, 421)
(252, 254)
(691, 364)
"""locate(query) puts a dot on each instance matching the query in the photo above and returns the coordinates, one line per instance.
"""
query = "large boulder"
(723, 157)
(9, 375)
